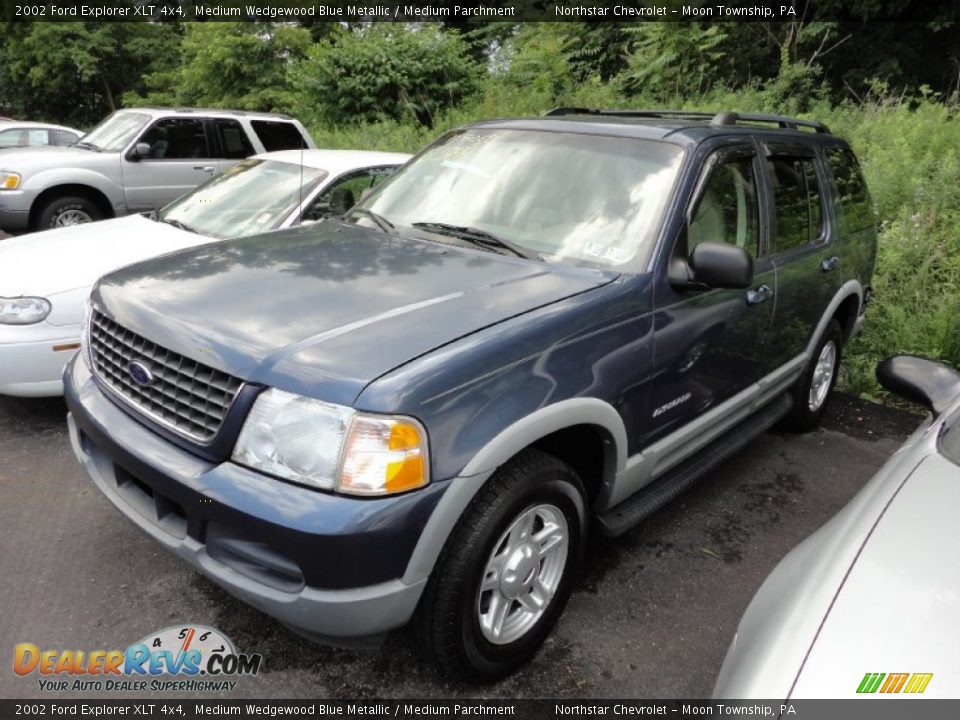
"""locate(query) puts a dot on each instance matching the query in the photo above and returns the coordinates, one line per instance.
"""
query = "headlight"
(333, 447)
(9, 180)
(23, 310)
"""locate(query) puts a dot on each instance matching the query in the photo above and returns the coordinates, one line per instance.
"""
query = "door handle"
(830, 263)
(205, 168)
(759, 295)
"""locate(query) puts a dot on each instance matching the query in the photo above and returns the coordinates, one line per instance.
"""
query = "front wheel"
(507, 571)
(811, 393)
(67, 211)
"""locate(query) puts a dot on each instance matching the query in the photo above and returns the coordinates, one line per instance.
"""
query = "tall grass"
(910, 152)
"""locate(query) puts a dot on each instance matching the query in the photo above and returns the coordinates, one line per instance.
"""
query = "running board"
(661, 491)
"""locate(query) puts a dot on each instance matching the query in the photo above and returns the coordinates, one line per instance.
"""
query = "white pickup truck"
(135, 160)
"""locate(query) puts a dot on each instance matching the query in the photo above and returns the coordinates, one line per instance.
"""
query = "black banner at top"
(460, 11)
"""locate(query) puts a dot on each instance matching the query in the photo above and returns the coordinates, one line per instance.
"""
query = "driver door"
(710, 344)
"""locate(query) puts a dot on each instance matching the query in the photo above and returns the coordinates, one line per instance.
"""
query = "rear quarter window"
(853, 200)
(278, 135)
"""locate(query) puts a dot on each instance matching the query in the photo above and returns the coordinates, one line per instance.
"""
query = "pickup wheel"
(68, 210)
(507, 570)
(810, 395)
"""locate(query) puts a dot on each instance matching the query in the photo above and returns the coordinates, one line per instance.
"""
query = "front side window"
(250, 197)
(116, 132)
(591, 199)
(727, 211)
(64, 137)
(176, 139)
(797, 202)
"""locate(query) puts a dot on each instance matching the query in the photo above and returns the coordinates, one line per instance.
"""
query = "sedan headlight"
(9, 180)
(23, 310)
(333, 447)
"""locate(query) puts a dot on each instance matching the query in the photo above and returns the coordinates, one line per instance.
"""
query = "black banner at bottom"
(872, 708)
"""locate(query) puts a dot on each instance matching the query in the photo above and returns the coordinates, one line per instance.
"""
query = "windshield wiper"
(87, 146)
(380, 220)
(478, 237)
(177, 224)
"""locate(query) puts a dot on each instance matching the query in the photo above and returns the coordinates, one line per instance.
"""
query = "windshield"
(252, 196)
(116, 132)
(563, 196)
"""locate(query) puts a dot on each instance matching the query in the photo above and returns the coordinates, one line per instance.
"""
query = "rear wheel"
(66, 211)
(507, 570)
(810, 395)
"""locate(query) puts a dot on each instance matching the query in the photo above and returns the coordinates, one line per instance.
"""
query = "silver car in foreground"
(869, 605)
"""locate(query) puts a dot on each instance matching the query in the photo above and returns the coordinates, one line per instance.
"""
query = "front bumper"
(253, 535)
(15, 210)
(32, 358)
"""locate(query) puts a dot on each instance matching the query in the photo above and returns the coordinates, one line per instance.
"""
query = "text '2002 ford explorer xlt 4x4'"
(413, 413)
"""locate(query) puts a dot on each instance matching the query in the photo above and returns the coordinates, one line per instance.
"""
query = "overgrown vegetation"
(397, 87)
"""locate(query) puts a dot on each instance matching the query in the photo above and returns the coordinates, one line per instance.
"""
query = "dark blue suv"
(415, 413)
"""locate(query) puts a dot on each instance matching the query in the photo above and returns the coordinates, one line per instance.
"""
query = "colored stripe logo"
(913, 683)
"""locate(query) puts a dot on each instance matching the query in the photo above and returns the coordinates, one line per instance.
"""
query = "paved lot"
(652, 617)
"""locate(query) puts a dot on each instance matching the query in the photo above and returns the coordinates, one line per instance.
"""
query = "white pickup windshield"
(564, 196)
(251, 197)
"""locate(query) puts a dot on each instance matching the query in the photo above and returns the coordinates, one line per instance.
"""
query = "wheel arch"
(89, 192)
(845, 307)
(553, 429)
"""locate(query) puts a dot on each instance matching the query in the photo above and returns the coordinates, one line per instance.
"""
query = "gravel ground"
(651, 618)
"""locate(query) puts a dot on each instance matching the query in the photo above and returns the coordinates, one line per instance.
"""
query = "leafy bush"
(385, 71)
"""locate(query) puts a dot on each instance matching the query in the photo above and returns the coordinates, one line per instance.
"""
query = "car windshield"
(590, 199)
(252, 196)
(116, 132)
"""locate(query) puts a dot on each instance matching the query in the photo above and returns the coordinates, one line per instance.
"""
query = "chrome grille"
(189, 397)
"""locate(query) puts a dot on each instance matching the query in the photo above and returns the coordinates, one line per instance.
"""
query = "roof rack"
(716, 119)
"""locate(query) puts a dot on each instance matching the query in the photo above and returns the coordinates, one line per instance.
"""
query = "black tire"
(52, 214)
(803, 417)
(447, 624)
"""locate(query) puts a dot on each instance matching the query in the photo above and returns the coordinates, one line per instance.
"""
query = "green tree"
(671, 59)
(385, 71)
(231, 65)
(75, 72)
(536, 59)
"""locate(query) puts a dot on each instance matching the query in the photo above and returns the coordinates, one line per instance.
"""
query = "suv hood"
(53, 261)
(28, 161)
(324, 310)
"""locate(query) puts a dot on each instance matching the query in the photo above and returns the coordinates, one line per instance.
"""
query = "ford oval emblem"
(140, 373)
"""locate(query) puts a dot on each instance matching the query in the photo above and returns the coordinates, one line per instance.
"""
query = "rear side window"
(727, 211)
(278, 135)
(797, 200)
(234, 143)
(853, 207)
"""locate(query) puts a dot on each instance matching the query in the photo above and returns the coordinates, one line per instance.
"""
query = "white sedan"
(869, 605)
(46, 277)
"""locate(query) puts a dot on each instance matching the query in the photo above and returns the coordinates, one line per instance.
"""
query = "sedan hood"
(324, 310)
(50, 262)
(898, 610)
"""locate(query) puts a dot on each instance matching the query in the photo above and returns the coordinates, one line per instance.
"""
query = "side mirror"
(713, 265)
(140, 151)
(927, 382)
